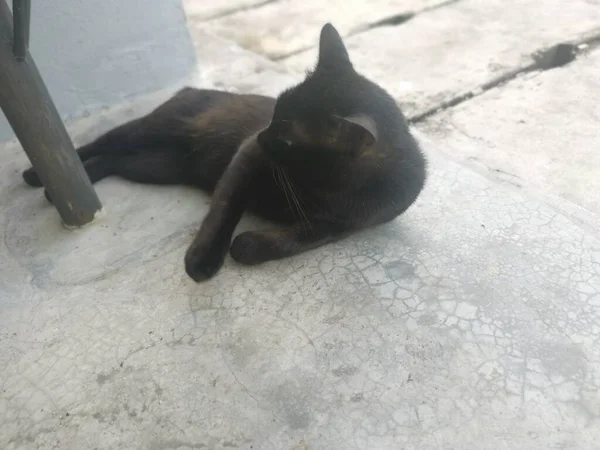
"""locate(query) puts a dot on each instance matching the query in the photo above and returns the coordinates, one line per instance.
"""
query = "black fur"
(329, 156)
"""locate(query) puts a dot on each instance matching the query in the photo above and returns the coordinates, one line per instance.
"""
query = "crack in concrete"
(557, 55)
(242, 8)
(395, 20)
(399, 19)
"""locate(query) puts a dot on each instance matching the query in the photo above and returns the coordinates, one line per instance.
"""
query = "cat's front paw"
(203, 260)
(252, 248)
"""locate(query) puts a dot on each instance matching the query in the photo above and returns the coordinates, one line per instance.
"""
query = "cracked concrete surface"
(472, 322)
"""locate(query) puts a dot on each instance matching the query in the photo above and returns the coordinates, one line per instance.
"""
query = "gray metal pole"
(21, 20)
(36, 123)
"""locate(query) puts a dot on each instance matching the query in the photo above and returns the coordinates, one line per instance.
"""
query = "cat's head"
(331, 117)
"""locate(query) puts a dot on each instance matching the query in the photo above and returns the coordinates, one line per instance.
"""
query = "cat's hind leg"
(97, 168)
(157, 166)
(109, 143)
(151, 167)
(164, 127)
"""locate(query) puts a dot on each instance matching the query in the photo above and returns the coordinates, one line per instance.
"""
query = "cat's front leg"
(255, 247)
(205, 256)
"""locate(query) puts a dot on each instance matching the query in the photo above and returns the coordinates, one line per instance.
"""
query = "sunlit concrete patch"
(454, 50)
(285, 27)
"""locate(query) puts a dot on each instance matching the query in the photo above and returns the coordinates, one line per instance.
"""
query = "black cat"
(330, 156)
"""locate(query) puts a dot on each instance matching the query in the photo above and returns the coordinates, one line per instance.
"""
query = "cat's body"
(328, 157)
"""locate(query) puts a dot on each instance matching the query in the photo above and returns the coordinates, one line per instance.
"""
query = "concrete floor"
(472, 322)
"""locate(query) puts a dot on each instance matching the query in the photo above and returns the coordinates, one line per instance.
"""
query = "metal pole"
(21, 20)
(32, 115)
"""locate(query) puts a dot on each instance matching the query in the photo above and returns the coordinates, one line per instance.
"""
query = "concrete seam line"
(557, 55)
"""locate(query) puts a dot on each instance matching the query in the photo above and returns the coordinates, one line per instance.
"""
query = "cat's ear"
(332, 52)
(360, 129)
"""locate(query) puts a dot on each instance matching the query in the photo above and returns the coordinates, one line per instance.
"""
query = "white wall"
(95, 53)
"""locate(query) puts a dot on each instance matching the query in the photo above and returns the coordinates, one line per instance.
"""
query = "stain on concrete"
(344, 371)
(399, 269)
(103, 378)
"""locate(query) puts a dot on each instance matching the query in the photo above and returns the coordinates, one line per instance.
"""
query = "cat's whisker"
(276, 176)
(284, 188)
(297, 201)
